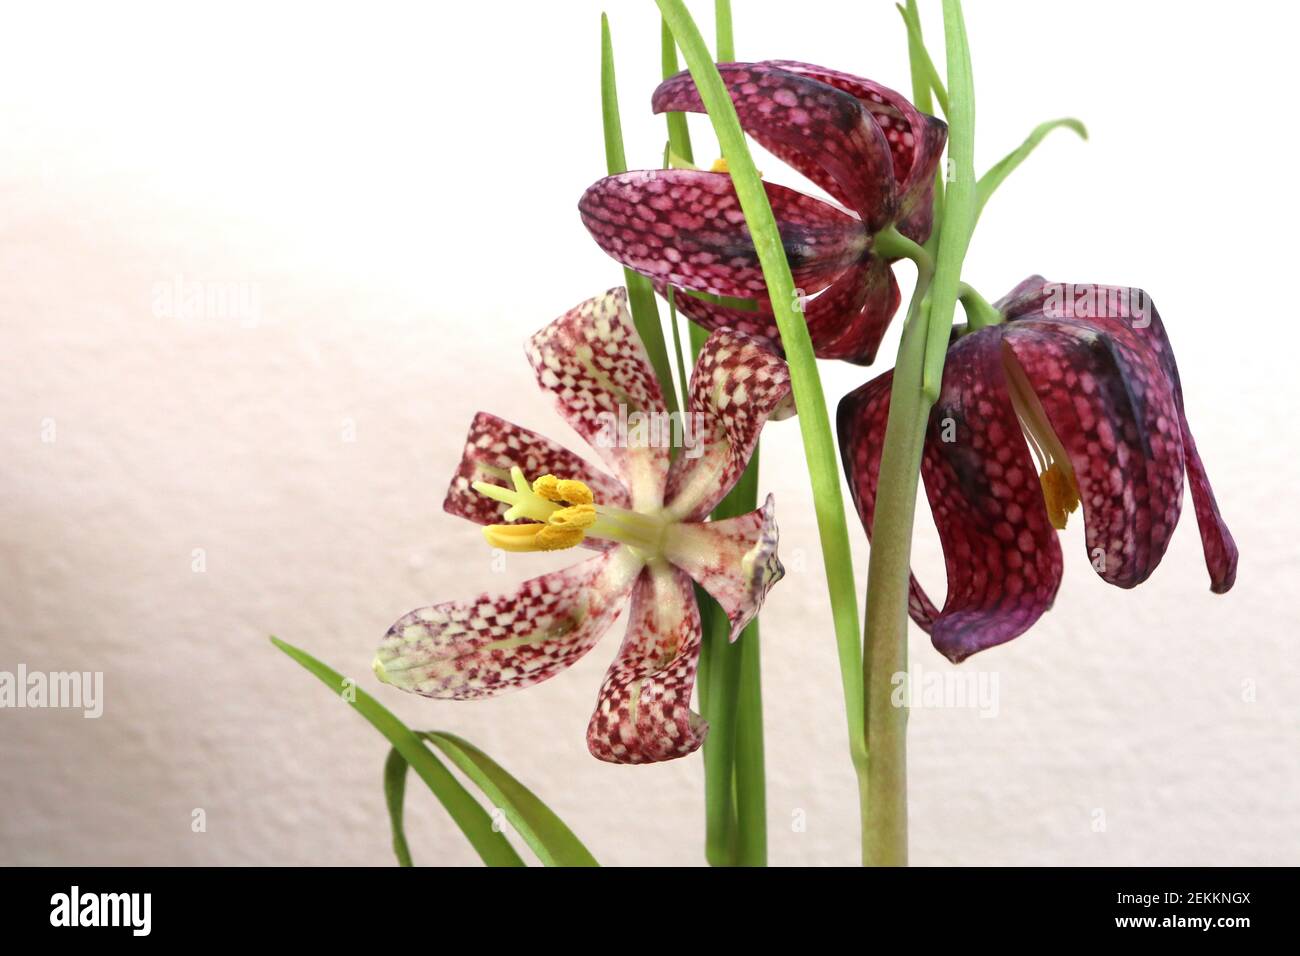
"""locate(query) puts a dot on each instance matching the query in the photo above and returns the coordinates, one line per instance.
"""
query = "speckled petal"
(738, 383)
(494, 445)
(845, 321)
(685, 227)
(593, 363)
(1002, 555)
(823, 132)
(860, 426)
(1130, 319)
(643, 713)
(915, 140)
(1113, 411)
(734, 559)
(466, 650)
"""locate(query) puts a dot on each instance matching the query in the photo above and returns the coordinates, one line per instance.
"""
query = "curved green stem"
(979, 314)
(889, 243)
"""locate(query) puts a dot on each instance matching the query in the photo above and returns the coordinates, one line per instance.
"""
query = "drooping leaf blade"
(550, 838)
(472, 819)
(992, 179)
(395, 795)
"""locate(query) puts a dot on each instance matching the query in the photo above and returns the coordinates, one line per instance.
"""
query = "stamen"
(1060, 488)
(1059, 494)
(559, 513)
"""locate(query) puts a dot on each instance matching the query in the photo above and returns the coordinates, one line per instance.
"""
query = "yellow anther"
(1060, 494)
(557, 538)
(574, 516)
(514, 537)
(563, 489)
(720, 166)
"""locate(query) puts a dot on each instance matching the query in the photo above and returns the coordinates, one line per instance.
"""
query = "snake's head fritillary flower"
(1073, 401)
(646, 521)
(866, 145)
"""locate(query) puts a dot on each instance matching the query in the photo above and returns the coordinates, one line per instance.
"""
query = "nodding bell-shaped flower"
(1074, 400)
(646, 522)
(866, 145)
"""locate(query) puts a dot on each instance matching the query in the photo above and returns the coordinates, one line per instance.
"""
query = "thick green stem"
(917, 378)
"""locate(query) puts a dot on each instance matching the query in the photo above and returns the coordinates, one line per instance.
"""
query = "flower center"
(560, 513)
(1056, 474)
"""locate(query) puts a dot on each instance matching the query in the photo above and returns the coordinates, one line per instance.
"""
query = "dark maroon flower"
(1087, 376)
(864, 144)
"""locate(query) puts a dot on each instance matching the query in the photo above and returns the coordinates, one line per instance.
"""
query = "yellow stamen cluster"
(1060, 494)
(563, 527)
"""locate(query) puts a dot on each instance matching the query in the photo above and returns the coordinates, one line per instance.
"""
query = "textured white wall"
(407, 218)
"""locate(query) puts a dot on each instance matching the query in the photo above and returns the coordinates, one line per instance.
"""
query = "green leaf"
(992, 179)
(679, 134)
(814, 420)
(640, 291)
(395, 795)
(722, 21)
(925, 78)
(553, 842)
(959, 210)
(464, 810)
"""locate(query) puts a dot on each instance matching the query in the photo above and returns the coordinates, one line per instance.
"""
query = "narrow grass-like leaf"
(679, 134)
(925, 78)
(992, 179)
(395, 796)
(465, 811)
(553, 842)
(814, 421)
(640, 291)
(960, 211)
(722, 24)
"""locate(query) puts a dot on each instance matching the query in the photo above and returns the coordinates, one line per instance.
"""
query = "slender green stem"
(751, 783)
(722, 23)
(640, 292)
(991, 180)
(720, 833)
(925, 78)
(916, 373)
(923, 70)
(727, 759)
(683, 382)
(979, 314)
(679, 134)
(889, 243)
(960, 209)
(814, 420)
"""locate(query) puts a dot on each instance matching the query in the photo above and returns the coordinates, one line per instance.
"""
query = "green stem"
(640, 292)
(979, 314)
(814, 420)
(722, 25)
(916, 380)
(925, 78)
(727, 843)
(683, 381)
(679, 134)
(751, 783)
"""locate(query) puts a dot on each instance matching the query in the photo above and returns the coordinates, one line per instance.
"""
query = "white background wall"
(399, 185)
